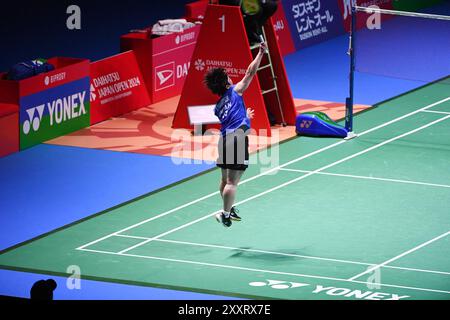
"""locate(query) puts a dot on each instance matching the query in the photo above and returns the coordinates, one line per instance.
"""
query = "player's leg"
(223, 181)
(229, 195)
(229, 192)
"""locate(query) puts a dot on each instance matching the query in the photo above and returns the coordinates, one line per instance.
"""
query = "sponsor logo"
(279, 25)
(348, 5)
(34, 120)
(184, 37)
(278, 285)
(110, 87)
(199, 65)
(305, 124)
(329, 291)
(60, 110)
(54, 78)
(164, 76)
(93, 95)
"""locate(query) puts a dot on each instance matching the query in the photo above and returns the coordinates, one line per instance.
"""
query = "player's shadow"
(286, 256)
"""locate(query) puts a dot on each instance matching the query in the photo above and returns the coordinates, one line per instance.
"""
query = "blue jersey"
(231, 112)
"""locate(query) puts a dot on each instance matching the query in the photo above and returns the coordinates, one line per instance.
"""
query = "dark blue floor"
(46, 187)
(18, 284)
(321, 72)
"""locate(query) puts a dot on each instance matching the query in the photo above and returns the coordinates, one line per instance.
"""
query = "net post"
(349, 100)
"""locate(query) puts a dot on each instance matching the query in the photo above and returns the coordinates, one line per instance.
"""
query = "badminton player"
(235, 123)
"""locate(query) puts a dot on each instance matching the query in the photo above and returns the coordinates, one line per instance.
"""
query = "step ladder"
(274, 89)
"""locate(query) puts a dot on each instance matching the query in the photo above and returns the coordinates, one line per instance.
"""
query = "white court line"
(261, 270)
(433, 111)
(370, 178)
(279, 253)
(291, 181)
(266, 172)
(400, 256)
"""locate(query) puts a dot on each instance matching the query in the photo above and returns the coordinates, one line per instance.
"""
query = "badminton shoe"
(225, 221)
(234, 214)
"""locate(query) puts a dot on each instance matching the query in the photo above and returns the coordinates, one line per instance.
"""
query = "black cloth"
(233, 150)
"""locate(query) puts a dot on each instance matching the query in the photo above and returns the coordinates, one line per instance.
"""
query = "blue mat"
(46, 187)
(321, 72)
(18, 284)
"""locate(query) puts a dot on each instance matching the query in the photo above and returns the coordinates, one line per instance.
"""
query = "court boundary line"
(400, 255)
(435, 111)
(282, 254)
(378, 145)
(370, 178)
(264, 271)
(266, 172)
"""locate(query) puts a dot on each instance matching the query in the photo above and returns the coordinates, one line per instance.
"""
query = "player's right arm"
(242, 85)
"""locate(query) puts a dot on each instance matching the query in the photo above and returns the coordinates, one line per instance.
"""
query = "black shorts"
(233, 150)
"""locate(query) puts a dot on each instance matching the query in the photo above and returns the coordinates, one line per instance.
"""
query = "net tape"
(402, 13)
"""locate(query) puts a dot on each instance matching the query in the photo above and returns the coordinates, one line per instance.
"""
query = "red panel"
(142, 48)
(345, 6)
(171, 60)
(283, 32)
(7, 109)
(164, 60)
(9, 91)
(117, 87)
(9, 132)
(196, 10)
(67, 70)
(222, 43)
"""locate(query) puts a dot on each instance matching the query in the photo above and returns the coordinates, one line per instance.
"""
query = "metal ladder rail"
(275, 87)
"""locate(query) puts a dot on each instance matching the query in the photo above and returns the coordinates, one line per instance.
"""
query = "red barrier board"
(164, 61)
(117, 87)
(50, 104)
(66, 71)
(283, 32)
(346, 9)
(196, 10)
(9, 129)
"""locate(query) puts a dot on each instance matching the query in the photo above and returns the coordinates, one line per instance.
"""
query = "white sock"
(226, 214)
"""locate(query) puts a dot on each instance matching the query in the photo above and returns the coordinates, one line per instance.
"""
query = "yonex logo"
(199, 65)
(329, 290)
(278, 285)
(34, 119)
(47, 80)
(59, 110)
(305, 124)
(164, 76)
